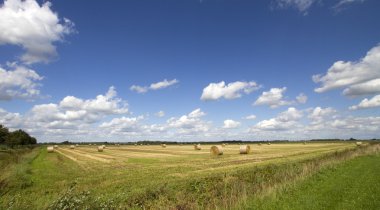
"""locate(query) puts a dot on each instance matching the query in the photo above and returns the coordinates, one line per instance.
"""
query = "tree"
(19, 137)
(4, 133)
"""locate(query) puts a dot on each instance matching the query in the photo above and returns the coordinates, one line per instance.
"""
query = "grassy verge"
(15, 170)
(353, 184)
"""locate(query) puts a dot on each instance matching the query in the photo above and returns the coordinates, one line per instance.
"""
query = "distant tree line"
(17, 137)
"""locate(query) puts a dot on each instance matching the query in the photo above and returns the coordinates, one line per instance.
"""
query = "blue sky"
(68, 68)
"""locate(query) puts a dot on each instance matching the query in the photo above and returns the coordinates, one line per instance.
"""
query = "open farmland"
(147, 176)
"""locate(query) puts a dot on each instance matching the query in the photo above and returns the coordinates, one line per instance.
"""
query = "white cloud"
(33, 27)
(233, 90)
(358, 78)
(272, 125)
(318, 114)
(102, 104)
(301, 5)
(163, 84)
(366, 88)
(57, 124)
(292, 114)
(343, 3)
(301, 98)
(73, 112)
(19, 82)
(346, 127)
(228, 124)
(356, 124)
(139, 89)
(273, 98)
(10, 120)
(286, 120)
(190, 123)
(250, 117)
(154, 86)
(367, 103)
(160, 114)
(197, 113)
(124, 125)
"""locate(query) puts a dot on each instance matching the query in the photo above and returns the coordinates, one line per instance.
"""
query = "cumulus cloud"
(356, 123)
(190, 123)
(154, 86)
(34, 27)
(233, 90)
(57, 124)
(10, 120)
(366, 88)
(250, 117)
(273, 98)
(102, 104)
(71, 112)
(301, 98)
(358, 78)
(124, 125)
(160, 114)
(319, 115)
(367, 103)
(19, 82)
(284, 121)
(228, 124)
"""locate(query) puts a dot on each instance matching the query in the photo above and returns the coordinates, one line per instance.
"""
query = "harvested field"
(127, 171)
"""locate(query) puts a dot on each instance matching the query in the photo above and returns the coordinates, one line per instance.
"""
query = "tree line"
(17, 137)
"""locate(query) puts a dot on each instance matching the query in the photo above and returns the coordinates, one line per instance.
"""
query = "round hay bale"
(77, 145)
(268, 143)
(359, 143)
(259, 144)
(197, 147)
(223, 145)
(72, 146)
(135, 144)
(55, 146)
(100, 148)
(104, 146)
(163, 145)
(244, 149)
(216, 150)
(50, 149)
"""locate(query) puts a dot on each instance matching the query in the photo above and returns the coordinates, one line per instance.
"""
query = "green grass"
(354, 184)
(151, 177)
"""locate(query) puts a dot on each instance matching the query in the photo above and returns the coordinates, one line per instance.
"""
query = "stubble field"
(148, 176)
